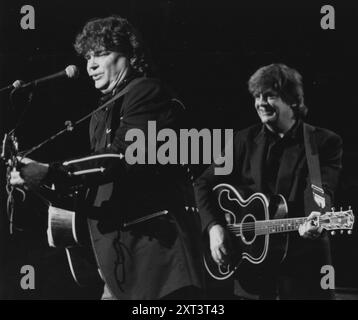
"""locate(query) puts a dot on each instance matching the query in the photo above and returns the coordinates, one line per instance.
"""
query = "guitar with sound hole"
(250, 226)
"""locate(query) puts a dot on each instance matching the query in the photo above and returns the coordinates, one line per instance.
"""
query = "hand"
(310, 229)
(219, 244)
(25, 160)
(15, 179)
(31, 175)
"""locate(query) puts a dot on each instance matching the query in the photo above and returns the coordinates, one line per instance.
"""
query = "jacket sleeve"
(204, 185)
(149, 100)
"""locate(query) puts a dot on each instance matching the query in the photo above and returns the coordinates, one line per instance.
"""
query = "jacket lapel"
(286, 173)
(257, 159)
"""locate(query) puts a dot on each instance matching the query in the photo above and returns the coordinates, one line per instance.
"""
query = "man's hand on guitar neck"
(311, 229)
(219, 244)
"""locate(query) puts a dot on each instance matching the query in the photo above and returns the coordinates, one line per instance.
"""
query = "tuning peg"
(349, 207)
(341, 209)
(333, 208)
(349, 232)
(333, 233)
(342, 231)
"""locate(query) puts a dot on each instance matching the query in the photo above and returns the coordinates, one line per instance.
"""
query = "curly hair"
(283, 80)
(113, 33)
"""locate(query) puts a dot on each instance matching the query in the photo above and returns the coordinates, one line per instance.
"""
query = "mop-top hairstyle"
(112, 33)
(286, 82)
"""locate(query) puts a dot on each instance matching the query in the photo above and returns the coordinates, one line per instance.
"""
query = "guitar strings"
(249, 226)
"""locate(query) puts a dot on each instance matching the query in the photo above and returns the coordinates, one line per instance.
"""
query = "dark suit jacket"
(160, 255)
(292, 181)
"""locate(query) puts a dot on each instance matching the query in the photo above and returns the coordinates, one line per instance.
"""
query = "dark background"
(206, 50)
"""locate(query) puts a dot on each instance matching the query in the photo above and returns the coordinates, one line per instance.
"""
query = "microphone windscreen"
(72, 72)
(17, 84)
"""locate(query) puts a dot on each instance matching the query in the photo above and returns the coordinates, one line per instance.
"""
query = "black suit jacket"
(160, 255)
(293, 180)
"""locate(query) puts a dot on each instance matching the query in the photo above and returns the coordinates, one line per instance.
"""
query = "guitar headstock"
(337, 220)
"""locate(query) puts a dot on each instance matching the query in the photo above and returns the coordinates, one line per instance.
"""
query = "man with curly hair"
(142, 225)
(270, 158)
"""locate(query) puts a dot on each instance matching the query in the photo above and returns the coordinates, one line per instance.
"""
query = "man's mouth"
(267, 111)
(96, 77)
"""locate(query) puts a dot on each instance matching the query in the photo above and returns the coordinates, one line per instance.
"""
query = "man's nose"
(91, 63)
(261, 100)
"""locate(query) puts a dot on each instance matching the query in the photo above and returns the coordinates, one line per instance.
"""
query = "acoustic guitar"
(66, 228)
(250, 227)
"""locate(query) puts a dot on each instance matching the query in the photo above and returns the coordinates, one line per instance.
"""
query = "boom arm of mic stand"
(27, 107)
(26, 153)
(69, 127)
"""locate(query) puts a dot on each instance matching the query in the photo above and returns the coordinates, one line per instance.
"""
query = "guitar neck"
(330, 220)
(342, 220)
(278, 225)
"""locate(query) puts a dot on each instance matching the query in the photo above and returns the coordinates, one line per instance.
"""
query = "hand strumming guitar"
(31, 174)
(220, 245)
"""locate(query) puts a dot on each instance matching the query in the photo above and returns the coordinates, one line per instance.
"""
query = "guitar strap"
(118, 95)
(313, 165)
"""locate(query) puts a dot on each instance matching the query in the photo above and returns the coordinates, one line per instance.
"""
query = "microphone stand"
(9, 138)
(26, 108)
(69, 127)
(6, 200)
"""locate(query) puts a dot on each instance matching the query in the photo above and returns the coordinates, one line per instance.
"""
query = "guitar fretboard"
(268, 226)
(277, 226)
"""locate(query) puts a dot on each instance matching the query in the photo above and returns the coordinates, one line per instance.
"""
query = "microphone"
(70, 72)
(17, 84)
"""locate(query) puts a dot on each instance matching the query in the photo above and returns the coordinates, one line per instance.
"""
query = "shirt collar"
(117, 88)
(294, 133)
